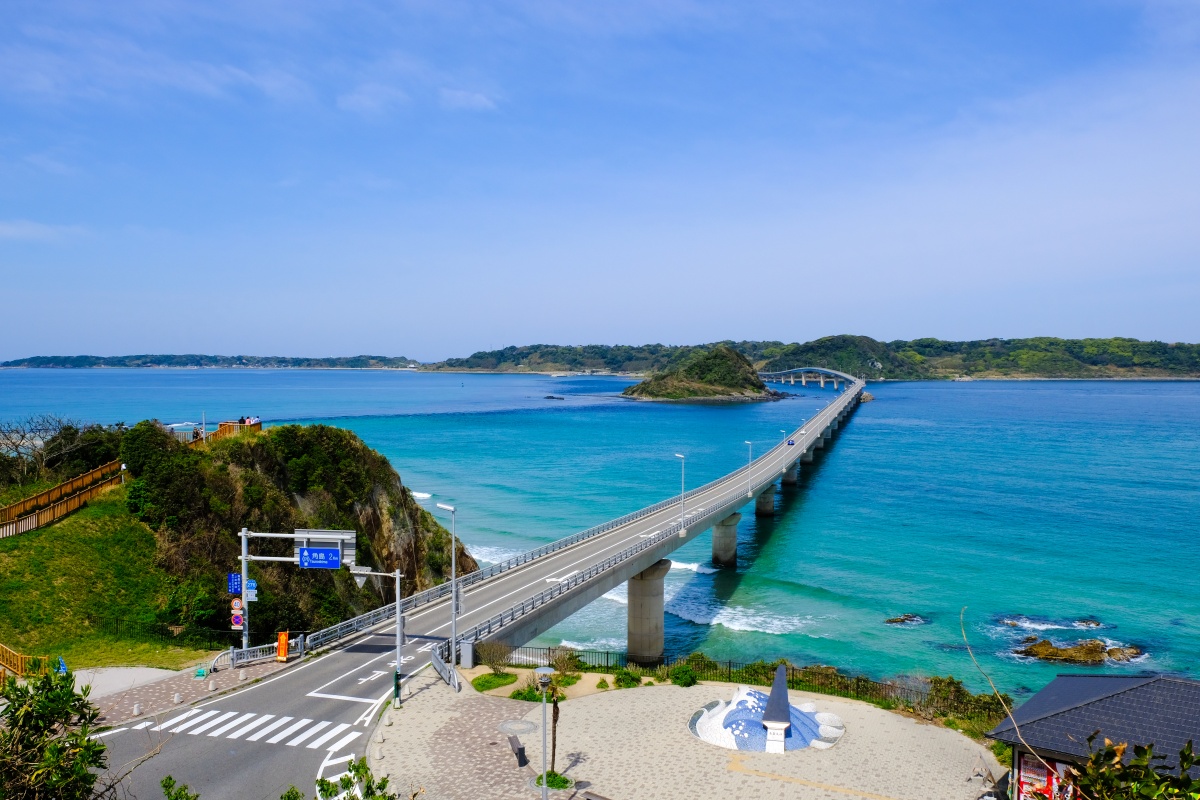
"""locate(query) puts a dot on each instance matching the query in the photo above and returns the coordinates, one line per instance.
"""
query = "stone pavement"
(117, 708)
(629, 743)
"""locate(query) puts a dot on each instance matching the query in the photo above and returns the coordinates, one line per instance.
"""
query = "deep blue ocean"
(1031, 505)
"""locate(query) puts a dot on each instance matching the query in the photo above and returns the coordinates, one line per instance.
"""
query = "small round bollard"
(378, 737)
(137, 709)
(387, 718)
(178, 697)
(241, 674)
(212, 686)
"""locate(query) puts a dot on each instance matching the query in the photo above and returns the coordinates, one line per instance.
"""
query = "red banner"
(282, 648)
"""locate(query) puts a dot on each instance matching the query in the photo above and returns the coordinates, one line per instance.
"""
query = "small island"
(721, 374)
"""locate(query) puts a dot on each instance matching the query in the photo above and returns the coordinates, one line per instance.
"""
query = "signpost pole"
(245, 606)
(399, 641)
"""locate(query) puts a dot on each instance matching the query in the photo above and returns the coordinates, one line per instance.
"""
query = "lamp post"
(544, 674)
(360, 577)
(453, 588)
(682, 484)
(749, 465)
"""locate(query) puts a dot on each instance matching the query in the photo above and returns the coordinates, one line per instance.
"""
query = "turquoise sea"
(1031, 505)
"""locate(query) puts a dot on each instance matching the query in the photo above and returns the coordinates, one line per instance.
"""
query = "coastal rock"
(867, 397)
(1090, 651)
(906, 619)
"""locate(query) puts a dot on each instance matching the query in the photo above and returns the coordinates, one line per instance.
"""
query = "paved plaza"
(635, 743)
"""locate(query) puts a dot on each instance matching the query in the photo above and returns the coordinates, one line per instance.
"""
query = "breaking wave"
(491, 555)
(736, 618)
(701, 569)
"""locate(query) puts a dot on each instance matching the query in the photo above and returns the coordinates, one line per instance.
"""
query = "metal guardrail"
(235, 657)
(493, 625)
(369, 620)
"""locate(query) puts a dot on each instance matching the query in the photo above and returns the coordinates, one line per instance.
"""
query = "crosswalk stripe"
(247, 728)
(212, 722)
(345, 740)
(180, 718)
(140, 725)
(329, 734)
(299, 739)
(269, 728)
(288, 732)
(229, 725)
(193, 721)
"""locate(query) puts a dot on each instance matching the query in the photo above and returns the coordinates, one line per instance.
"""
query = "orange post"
(281, 651)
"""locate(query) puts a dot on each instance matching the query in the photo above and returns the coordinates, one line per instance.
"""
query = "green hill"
(157, 550)
(720, 373)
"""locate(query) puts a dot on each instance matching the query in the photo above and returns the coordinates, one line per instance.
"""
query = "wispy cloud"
(461, 100)
(27, 230)
(372, 98)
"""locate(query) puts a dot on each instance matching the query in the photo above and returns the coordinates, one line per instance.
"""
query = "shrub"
(494, 655)
(626, 679)
(682, 675)
(602, 684)
(555, 781)
(492, 680)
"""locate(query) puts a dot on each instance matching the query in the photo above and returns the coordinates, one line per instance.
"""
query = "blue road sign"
(251, 584)
(235, 582)
(320, 558)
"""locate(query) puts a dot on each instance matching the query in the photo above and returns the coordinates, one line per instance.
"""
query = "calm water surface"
(1033, 505)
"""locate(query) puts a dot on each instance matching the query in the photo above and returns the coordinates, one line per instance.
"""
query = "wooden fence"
(12, 661)
(57, 511)
(56, 493)
(224, 429)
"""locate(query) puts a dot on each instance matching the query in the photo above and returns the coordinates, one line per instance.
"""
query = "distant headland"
(916, 359)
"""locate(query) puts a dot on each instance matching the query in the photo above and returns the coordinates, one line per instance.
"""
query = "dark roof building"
(1137, 709)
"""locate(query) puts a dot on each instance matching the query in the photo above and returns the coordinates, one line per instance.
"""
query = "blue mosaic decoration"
(744, 721)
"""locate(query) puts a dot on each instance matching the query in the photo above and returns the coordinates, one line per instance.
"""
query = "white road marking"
(269, 728)
(329, 734)
(180, 718)
(340, 697)
(304, 736)
(211, 723)
(288, 732)
(193, 721)
(345, 740)
(141, 725)
(231, 725)
(107, 733)
(375, 675)
(247, 728)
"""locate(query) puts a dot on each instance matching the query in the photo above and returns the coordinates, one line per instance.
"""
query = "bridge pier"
(792, 476)
(803, 379)
(764, 504)
(724, 544)
(822, 381)
(807, 456)
(646, 613)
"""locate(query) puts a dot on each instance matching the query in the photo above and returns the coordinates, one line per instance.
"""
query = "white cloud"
(372, 98)
(461, 100)
(23, 229)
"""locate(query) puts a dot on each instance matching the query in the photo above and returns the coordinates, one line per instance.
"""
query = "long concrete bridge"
(515, 601)
(311, 719)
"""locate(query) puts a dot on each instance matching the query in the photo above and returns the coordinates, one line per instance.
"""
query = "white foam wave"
(1027, 624)
(736, 618)
(595, 644)
(700, 569)
(491, 555)
(618, 595)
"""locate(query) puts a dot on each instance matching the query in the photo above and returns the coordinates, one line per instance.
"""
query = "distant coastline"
(1039, 358)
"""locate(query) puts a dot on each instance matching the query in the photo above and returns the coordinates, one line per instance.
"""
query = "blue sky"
(432, 178)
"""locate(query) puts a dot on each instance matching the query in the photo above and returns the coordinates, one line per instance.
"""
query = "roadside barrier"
(57, 511)
(56, 493)
(21, 665)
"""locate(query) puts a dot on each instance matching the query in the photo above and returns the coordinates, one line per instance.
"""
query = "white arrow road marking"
(562, 578)
(373, 676)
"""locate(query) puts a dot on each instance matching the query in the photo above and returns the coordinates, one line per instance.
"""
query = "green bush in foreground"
(626, 679)
(490, 680)
(555, 781)
(602, 684)
(682, 675)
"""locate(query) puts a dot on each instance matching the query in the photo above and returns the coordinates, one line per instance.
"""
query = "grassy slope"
(102, 563)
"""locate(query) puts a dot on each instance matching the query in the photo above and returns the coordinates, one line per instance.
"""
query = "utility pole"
(245, 534)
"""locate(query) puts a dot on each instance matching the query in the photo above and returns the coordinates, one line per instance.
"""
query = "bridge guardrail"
(494, 624)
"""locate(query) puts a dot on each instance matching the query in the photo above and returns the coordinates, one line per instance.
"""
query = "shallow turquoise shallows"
(1034, 506)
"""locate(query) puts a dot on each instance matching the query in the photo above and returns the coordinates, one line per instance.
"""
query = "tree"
(494, 655)
(45, 749)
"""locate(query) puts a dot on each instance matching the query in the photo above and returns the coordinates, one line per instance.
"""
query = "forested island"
(916, 359)
(718, 375)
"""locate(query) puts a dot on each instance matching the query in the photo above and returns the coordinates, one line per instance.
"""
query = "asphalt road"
(309, 720)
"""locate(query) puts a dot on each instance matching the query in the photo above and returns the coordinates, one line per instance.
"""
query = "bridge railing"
(507, 617)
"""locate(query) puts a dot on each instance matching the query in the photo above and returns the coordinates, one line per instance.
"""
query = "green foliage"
(45, 752)
(1110, 775)
(175, 791)
(529, 693)
(493, 654)
(602, 683)
(721, 371)
(950, 694)
(626, 679)
(357, 782)
(682, 675)
(493, 680)
(191, 360)
(554, 780)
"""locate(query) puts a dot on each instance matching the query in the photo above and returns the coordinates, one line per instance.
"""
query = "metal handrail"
(492, 625)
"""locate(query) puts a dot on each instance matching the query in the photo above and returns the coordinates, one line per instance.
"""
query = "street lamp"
(682, 483)
(544, 674)
(360, 577)
(749, 465)
(453, 589)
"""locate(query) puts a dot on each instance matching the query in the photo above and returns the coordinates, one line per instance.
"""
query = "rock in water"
(1090, 651)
